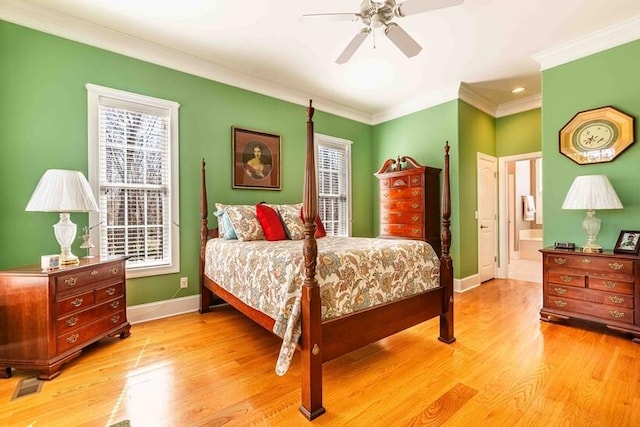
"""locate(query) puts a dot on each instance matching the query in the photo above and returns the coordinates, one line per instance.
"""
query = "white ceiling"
(485, 46)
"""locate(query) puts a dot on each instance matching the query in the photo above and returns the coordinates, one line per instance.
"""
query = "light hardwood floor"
(506, 368)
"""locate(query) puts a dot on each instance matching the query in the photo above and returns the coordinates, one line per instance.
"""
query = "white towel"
(528, 208)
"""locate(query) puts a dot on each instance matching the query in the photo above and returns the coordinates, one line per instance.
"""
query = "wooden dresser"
(599, 287)
(48, 317)
(410, 201)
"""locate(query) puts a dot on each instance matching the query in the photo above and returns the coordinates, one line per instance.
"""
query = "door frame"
(494, 160)
(503, 212)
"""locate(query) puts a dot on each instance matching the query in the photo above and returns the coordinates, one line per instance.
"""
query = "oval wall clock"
(597, 136)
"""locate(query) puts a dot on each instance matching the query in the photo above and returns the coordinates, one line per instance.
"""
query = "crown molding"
(607, 38)
(418, 103)
(38, 18)
(519, 106)
(481, 103)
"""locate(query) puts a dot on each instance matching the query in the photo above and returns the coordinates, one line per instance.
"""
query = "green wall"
(421, 135)
(519, 133)
(606, 78)
(43, 105)
(477, 135)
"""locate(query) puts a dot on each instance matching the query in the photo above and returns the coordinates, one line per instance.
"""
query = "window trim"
(94, 93)
(343, 144)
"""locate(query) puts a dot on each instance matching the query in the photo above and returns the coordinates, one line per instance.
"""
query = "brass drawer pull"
(616, 299)
(565, 278)
(77, 302)
(415, 218)
(586, 261)
(415, 192)
(115, 318)
(560, 261)
(114, 270)
(71, 281)
(415, 231)
(110, 291)
(617, 314)
(609, 284)
(416, 205)
(115, 304)
(94, 272)
(615, 266)
(560, 291)
(385, 194)
(414, 180)
(72, 321)
(73, 338)
(560, 303)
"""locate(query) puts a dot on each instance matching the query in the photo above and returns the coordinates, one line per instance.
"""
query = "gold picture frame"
(597, 136)
(255, 159)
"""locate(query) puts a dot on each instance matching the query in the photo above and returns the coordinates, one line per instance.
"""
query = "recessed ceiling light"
(518, 89)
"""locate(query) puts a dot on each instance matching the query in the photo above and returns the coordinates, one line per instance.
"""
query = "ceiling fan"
(380, 13)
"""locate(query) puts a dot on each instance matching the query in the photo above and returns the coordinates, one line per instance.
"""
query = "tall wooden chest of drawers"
(48, 317)
(410, 201)
(598, 287)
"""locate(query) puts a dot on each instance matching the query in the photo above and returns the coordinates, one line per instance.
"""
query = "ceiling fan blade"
(402, 40)
(353, 45)
(334, 17)
(412, 7)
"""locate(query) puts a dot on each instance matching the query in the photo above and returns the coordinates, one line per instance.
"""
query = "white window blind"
(136, 179)
(333, 162)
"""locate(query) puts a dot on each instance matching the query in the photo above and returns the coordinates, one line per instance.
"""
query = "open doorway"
(521, 216)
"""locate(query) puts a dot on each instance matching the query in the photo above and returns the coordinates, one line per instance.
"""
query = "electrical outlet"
(184, 282)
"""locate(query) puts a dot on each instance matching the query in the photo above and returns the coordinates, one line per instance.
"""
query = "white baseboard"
(466, 283)
(161, 309)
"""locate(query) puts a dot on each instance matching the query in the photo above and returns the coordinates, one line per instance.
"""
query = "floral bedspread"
(353, 274)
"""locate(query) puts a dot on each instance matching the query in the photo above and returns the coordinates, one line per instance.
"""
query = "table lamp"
(63, 191)
(591, 192)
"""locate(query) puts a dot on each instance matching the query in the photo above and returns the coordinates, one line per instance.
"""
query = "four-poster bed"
(322, 338)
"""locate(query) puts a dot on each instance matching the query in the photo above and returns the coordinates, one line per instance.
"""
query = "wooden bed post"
(205, 294)
(446, 265)
(311, 340)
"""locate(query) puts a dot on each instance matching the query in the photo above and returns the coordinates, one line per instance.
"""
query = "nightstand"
(598, 287)
(48, 317)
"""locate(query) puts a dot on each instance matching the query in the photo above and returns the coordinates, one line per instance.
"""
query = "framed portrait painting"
(256, 159)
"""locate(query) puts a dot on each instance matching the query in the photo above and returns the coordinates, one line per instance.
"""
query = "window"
(133, 168)
(333, 162)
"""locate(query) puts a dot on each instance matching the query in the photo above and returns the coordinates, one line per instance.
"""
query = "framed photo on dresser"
(628, 242)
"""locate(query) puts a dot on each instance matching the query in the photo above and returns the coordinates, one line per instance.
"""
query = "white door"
(487, 216)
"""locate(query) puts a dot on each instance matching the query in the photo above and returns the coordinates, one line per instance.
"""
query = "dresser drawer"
(108, 292)
(395, 217)
(565, 291)
(401, 205)
(87, 277)
(92, 331)
(401, 193)
(75, 321)
(567, 279)
(401, 230)
(75, 302)
(619, 314)
(585, 262)
(611, 285)
(609, 298)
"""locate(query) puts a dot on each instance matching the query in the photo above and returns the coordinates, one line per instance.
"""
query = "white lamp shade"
(592, 192)
(62, 191)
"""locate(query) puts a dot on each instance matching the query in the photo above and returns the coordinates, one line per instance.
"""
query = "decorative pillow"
(320, 231)
(290, 216)
(270, 222)
(244, 221)
(225, 228)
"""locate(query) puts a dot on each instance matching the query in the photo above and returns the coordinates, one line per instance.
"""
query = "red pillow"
(320, 231)
(270, 222)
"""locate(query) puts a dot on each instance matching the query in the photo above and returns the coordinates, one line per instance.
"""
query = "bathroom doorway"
(521, 216)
